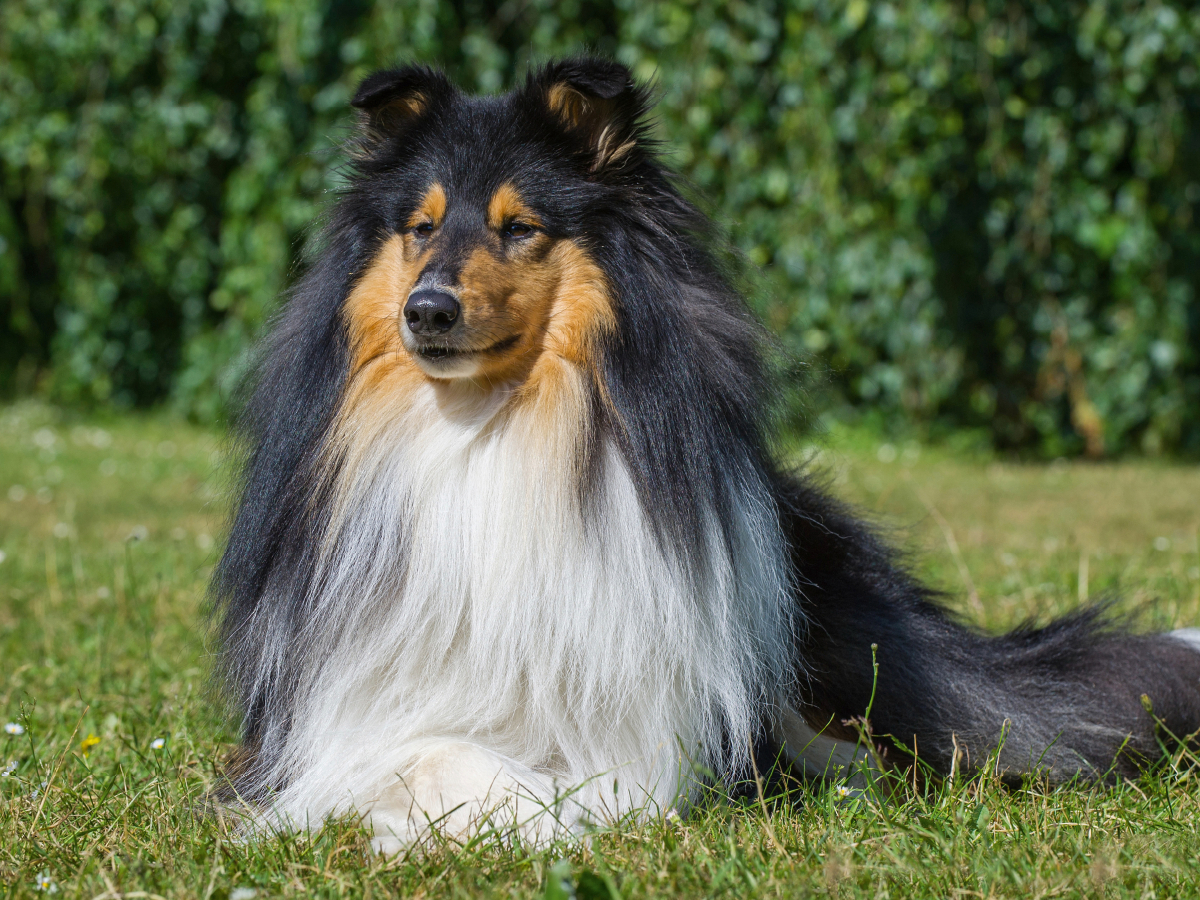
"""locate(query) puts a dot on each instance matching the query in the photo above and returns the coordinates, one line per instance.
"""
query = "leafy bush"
(974, 214)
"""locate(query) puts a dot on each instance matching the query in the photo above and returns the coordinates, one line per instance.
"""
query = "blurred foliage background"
(973, 215)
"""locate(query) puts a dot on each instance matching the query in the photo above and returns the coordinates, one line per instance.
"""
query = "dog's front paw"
(461, 790)
(388, 844)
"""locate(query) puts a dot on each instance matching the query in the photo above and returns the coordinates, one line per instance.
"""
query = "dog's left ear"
(597, 101)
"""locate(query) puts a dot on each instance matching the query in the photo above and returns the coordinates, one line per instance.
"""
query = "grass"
(109, 529)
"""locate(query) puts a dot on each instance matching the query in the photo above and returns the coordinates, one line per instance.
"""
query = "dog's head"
(485, 209)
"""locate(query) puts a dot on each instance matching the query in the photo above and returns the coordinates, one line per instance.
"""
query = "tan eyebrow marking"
(432, 207)
(506, 205)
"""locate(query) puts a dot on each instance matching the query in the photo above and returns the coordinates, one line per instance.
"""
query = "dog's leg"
(1079, 697)
(460, 789)
(817, 755)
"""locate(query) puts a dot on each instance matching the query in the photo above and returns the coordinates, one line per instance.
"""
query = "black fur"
(685, 375)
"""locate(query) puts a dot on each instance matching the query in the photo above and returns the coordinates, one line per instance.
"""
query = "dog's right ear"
(392, 99)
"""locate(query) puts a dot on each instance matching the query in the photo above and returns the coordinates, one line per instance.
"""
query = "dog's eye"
(425, 229)
(517, 230)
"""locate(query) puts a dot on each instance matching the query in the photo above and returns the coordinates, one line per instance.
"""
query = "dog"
(513, 548)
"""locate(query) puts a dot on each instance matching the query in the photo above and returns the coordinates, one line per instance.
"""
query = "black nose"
(430, 312)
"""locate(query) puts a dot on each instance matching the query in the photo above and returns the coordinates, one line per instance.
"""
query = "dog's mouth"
(445, 353)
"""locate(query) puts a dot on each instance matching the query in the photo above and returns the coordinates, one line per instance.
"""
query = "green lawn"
(109, 529)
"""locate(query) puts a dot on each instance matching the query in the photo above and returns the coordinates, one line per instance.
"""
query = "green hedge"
(967, 214)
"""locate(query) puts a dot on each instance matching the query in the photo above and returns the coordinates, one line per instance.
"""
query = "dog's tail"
(1081, 697)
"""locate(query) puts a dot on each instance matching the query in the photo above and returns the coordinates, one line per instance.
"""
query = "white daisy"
(14, 728)
(158, 743)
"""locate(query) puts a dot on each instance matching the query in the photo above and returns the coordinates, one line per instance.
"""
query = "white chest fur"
(478, 629)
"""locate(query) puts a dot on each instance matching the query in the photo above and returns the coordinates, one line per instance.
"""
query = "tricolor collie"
(513, 548)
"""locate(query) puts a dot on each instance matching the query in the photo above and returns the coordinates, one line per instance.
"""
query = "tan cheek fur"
(580, 316)
(372, 317)
(563, 304)
(558, 306)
